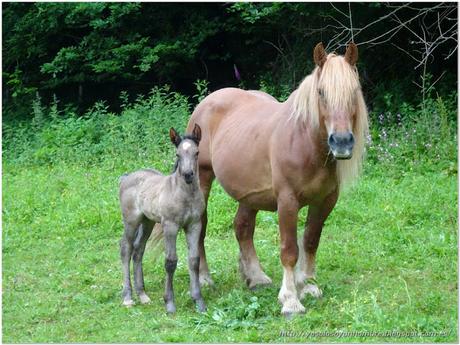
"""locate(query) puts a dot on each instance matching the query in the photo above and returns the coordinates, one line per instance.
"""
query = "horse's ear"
(175, 138)
(319, 55)
(351, 55)
(197, 132)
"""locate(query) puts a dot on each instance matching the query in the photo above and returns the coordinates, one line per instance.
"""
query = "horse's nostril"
(332, 140)
(351, 138)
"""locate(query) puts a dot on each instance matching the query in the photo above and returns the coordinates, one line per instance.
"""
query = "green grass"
(387, 262)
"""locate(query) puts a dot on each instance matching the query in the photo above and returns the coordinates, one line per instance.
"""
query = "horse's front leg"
(308, 244)
(170, 230)
(288, 208)
(193, 235)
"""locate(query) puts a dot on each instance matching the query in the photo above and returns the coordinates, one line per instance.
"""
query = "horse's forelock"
(192, 138)
(340, 83)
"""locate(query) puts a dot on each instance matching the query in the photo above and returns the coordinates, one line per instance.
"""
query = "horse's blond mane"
(340, 85)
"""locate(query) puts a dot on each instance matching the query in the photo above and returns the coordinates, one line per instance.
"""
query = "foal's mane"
(341, 88)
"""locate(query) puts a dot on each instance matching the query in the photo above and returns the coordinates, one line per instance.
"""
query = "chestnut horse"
(281, 157)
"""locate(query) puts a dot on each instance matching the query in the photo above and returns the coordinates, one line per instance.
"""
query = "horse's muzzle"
(188, 177)
(341, 145)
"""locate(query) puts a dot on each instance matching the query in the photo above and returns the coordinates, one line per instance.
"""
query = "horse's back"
(135, 177)
(264, 95)
(237, 127)
(131, 183)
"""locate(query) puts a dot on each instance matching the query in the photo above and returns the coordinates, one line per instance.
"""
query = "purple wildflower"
(237, 73)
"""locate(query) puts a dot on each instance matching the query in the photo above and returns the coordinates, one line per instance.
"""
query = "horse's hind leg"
(126, 250)
(193, 234)
(244, 223)
(308, 244)
(144, 231)
(206, 178)
(170, 234)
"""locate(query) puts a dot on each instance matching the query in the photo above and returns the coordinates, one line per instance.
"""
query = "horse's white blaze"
(186, 146)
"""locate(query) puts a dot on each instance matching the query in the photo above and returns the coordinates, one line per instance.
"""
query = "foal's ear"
(351, 55)
(175, 138)
(319, 55)
(197, 132)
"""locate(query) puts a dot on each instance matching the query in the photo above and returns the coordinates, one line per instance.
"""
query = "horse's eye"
(196, 154)
(321, 93)
(177, 155)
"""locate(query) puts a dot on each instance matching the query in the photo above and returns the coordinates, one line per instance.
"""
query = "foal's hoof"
(200, 306)
(170, 308)
(128, 303)
(144, 298)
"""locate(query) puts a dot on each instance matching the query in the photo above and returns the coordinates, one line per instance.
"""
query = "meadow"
(387, 260)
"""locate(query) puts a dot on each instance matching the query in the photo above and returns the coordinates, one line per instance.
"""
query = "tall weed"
(422, 137)
(140, 130)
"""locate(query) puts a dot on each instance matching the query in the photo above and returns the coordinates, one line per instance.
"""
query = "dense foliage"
(85, 52)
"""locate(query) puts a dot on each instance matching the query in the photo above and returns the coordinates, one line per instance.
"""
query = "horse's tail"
(155, 242)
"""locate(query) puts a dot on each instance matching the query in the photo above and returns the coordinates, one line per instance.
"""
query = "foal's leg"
(206, 178)
(193, 235)
(145, 229)
(288, 208)
(244, 223)
(170, 230)
(126, 250)
(308, 244)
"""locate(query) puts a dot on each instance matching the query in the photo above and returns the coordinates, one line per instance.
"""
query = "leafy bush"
(141, 130)
(422, 137)
(413, 138)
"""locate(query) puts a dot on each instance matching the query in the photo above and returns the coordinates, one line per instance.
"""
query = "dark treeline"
(83, 52)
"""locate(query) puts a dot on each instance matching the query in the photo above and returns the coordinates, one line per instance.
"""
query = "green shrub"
(140, 130)
(423, 137)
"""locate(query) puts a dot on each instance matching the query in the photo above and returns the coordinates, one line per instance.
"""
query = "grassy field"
(387, 262)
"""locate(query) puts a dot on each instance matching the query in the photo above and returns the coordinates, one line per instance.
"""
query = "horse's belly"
(250, 189)
(260, 201)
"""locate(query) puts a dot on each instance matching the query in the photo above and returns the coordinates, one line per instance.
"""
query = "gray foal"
(147, 197)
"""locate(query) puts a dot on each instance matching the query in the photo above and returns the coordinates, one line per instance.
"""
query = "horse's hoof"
(144, 299)
(201, 307)
(259, 282)
(128, 303)
(170, 308)
(311, 289)
(206, 280)
(291, 307)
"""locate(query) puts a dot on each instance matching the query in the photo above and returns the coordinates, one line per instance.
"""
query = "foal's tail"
(155, 242)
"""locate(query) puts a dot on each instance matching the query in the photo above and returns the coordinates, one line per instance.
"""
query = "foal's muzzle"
(341, 144)
(188, 176)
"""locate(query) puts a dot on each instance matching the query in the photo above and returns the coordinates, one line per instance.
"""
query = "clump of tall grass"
(417, 137)
(140, 130)
(421, 137)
